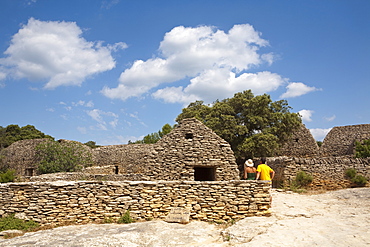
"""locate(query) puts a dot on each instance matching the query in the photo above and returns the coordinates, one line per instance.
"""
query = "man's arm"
(258, 175)
(272, 174)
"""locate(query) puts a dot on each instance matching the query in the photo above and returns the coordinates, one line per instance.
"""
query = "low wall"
(94, 201)
(328, 172)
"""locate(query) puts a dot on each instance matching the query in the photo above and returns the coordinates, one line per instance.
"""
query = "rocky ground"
(336, 218)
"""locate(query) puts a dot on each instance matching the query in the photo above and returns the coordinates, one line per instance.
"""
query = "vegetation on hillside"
(62, 157)
(255, 126)
(13, 133)
(154, 137)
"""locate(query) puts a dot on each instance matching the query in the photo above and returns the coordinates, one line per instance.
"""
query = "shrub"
(350, 173)
(8, 176)
(66, 157)
(355, 178)
(359, 180)
(362, 149)
(126, 218)
(303, 179)
(12, 223)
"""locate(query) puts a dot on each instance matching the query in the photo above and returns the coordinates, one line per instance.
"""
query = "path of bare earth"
(336, 218)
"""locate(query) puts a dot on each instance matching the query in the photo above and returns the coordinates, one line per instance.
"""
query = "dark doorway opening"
(116, 170)
(204, 173)
(29, 172)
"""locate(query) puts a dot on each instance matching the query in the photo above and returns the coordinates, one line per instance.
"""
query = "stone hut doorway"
(204, 173)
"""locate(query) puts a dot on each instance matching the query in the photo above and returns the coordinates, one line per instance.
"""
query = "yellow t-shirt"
(265, 172)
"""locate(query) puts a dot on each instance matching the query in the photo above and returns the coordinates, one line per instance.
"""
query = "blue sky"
(110, 71)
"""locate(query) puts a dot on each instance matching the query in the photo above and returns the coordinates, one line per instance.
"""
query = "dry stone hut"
(191, 151)
(340, 141)
(21, 156)
(301, 144)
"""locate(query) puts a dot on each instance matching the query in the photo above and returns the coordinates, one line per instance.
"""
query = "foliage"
(7, 176)
(125, 218)
(319, 143)
(91, 144)
(12, 223)
(154, 137)
(255, 126)
(362, 149)
(350, 173)
(303, 179)
(355, 178)
(359, 180)
(66, 157)
(13, 133)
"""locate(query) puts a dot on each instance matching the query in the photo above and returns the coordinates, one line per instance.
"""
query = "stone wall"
(180, 155)
(341, 140)
(176, 156)
(328, 172)
(83, 201)
(301, 144)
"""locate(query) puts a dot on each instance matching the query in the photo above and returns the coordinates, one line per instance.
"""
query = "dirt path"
(338, 218)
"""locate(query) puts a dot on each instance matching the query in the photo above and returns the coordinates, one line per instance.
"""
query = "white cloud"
(306, 115)
(220, 84)
(202, 53)
(319, 134)
(330, 119)
(83, 103)
(55, 52)
(296, 89)
(2, 76)
(99, 116)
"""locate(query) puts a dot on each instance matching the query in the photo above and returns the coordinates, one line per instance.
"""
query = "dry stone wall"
(301, 144)
(341, 140)
(328, 172)
(84, 202)
(175, 157)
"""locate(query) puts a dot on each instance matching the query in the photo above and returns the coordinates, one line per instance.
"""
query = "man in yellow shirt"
(264, 172)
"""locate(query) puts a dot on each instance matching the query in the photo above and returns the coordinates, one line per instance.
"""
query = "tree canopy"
(13, 133)
(255, 126)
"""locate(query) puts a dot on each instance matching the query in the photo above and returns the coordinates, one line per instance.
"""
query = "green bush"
(67, 157)
(359, 180)
(12, 223)
(126, 218)
(355, 178)
(303, 179)
(8, 176)
(350, 173)
(362, 149)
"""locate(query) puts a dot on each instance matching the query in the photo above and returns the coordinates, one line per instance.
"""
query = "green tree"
(91, 144)
(253, 125)
(362, 149)
(154, 137)
(13, 133)
(66, 157)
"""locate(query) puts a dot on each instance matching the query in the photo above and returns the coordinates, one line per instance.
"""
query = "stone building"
(301, 144)
(340, 141)
(21, 156)
(191, 151)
